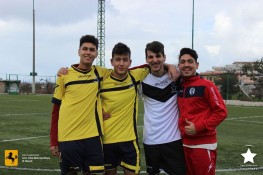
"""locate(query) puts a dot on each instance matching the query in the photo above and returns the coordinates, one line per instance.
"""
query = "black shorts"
(124, 154)
(82, 156)
(168, 157)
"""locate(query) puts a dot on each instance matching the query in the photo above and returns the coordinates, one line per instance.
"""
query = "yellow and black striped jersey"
(80, 114)
(119, 98)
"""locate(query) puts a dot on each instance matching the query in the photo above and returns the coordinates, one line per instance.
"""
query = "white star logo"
(248, 156)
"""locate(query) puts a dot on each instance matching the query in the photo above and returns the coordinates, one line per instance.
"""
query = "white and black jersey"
(160, 110)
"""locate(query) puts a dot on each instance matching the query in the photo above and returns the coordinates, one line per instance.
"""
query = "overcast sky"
(225, 31)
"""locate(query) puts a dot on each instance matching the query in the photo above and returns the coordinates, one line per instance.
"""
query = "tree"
(50, 87)
(255, 71)
(25, 87)
(228, 82)
(45, 86)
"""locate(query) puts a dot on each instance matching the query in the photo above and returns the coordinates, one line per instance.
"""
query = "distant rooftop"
(242, 62)
(211, 73)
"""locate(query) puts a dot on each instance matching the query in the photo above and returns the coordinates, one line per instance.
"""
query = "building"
(11, 87)
(245, 83)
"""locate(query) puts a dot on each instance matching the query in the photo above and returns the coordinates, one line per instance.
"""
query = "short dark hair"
(155, 47)
(189, 51)
(89, 39)
(121, 49)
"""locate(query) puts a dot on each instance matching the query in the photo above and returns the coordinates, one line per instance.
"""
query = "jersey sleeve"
(56, 100)
(140, 73)
(59, 91)
(217, 106)
(54, 125)
(140, 66)
(104, 72)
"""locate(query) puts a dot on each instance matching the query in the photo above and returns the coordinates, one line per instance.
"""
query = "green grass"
(243, 127)
(24, 116)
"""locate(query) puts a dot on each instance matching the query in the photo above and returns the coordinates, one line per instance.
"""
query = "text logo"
(11, 157)
(248, 156)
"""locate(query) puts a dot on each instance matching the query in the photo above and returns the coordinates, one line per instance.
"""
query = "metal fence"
(19, 83)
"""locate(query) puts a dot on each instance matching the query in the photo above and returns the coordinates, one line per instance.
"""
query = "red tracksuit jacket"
(200, 102)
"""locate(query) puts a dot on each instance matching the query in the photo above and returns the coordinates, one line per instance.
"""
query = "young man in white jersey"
(161, 136)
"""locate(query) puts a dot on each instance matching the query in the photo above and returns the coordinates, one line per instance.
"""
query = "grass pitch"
(25, 123)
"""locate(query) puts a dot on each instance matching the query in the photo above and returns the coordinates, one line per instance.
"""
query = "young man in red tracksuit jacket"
(202, 109)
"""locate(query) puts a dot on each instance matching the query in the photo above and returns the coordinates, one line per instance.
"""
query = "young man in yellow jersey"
(77, 114)
(120, 99)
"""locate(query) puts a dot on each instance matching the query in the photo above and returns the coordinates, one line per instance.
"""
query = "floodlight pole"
(33, 72)
(193, 24)
(101, 33)
(227, 90)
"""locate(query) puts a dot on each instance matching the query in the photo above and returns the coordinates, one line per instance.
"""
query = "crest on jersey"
(174, 89)
(192, 91)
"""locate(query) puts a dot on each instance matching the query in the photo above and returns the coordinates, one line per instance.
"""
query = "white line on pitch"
(23, 114)
(237, 118)
(57, 170)
(18, 100)
(240, 169)
(26, 138)
(248, 121)
(28, 169)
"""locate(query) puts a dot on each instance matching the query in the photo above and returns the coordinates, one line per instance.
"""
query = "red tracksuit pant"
(200, 161)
